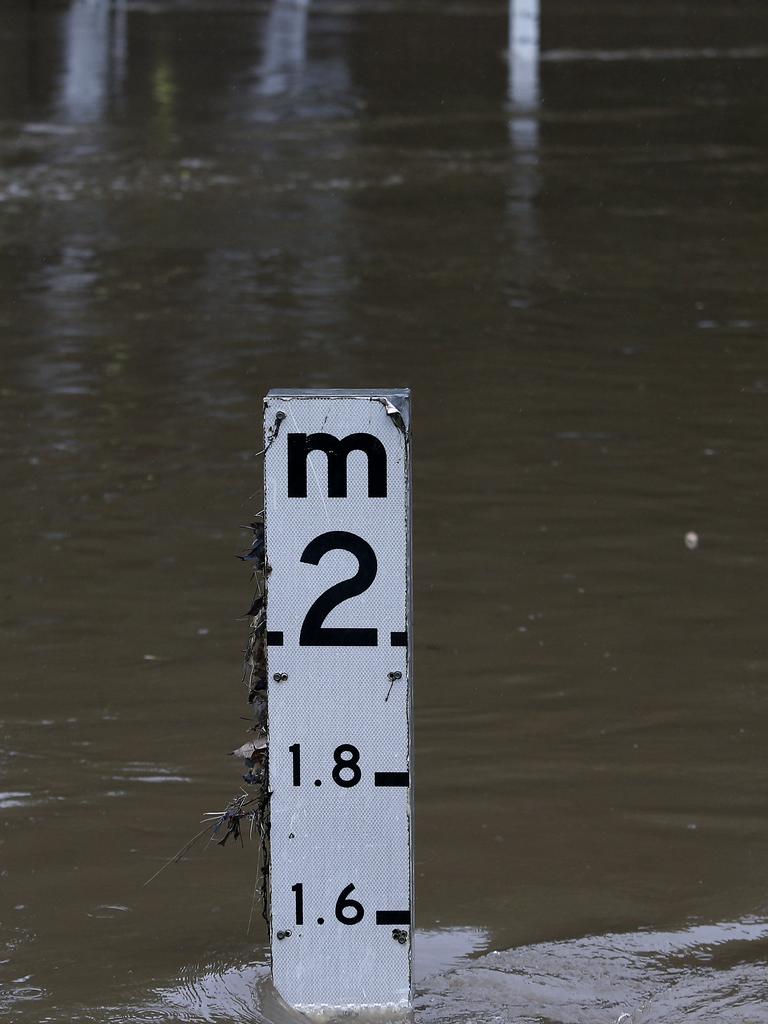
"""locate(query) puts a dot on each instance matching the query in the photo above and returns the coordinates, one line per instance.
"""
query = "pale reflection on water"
(285, 48)
(94, 56)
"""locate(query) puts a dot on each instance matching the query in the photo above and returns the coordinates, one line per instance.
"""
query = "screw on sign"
(337, 498)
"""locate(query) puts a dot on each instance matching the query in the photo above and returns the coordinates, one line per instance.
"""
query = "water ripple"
(701, 973)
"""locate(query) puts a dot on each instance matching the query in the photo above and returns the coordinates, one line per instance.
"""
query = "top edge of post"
(339, 393)
(397, 401)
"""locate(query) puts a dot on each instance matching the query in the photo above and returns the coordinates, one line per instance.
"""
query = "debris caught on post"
(254, 752)
(250, 808)
(251, 752)
(256, 551)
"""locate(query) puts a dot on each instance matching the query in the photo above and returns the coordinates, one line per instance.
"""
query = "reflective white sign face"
(337, 482)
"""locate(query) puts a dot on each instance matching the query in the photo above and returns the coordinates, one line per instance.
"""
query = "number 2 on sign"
(313, 632)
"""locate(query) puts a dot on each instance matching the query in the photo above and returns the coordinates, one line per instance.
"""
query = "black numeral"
(298, 890)
(346, 758)
(350, 911)
(348, 763)
(313, 633)
(343, 903)
(295, 750)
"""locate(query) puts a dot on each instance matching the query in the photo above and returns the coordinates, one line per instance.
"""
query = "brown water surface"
(202, 199)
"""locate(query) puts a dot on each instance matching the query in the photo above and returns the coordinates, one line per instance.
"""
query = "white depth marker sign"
(337, 493)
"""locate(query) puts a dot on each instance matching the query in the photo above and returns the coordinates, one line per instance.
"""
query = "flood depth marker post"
(337, 513)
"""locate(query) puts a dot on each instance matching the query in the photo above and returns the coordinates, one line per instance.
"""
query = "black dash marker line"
(399, 639)
(393, 917)
(390, 779)
(274, 638)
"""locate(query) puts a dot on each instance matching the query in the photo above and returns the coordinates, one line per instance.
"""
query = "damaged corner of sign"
(337, 497)
(398, 407)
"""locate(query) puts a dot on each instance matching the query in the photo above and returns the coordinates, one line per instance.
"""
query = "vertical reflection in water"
(86, 60)
(33, 51)
(57, 371)
(523, 96)
(524, 54)
(285, 48)
(316, 273)
(95, 54)
(120, 43)
(164, 93)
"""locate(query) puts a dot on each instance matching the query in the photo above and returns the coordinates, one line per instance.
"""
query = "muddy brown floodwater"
(202, 199)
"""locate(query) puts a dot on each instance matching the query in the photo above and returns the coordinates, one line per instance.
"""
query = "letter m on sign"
(337, 450)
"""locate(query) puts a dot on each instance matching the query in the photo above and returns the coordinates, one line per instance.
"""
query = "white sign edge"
(397, 404)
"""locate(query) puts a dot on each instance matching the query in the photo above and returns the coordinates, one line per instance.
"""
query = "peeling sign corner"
(398, 406)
